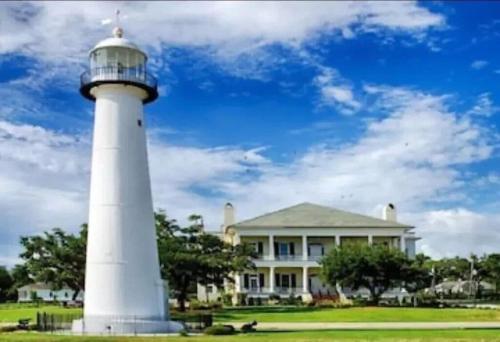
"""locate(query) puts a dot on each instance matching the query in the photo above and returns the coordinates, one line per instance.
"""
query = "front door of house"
(285, 281)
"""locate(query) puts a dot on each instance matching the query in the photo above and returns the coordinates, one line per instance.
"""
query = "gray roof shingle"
(313, 215)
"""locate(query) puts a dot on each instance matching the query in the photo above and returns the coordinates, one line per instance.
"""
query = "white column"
(370, 240)
(271, 247)
(337, 240)
(402, 242)
(304, 247)
(271, 279)
(237, 283)
(305, 280)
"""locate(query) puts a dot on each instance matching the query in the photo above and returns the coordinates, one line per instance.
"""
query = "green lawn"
(310, 336)
(360, 314)
(14, 312)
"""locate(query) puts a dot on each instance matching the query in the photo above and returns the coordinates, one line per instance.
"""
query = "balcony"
(118, 75)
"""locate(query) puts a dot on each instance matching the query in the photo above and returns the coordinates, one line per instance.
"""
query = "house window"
(66, 294)
(210, 289)
(253, 281)
(283, 249)
(139, 122)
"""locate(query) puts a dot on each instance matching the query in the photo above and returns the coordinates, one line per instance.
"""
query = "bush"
(292, 300)
(227, 299)
(195, 304)
(242, 299)
(330, 303)
(220, 330)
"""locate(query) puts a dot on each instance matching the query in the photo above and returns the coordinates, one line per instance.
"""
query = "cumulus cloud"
(411, 155)
(452, 227)
(62, 33)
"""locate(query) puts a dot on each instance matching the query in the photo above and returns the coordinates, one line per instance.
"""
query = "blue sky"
(351, 105)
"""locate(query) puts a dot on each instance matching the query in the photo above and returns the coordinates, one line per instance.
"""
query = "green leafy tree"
(6, 283)
(418, 275)
(376, 268)
(450, 269)
(57, 258)
(189, 256)
(20, 276)
(490, 264)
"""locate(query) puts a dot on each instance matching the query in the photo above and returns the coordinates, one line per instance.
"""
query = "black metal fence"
(52, 322)
(194, 322)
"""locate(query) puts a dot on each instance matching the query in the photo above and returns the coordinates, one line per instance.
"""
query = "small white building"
(291, 241)
(45, 293)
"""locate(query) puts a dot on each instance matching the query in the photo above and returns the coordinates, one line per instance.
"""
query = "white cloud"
(455, 231)
(411, 156)
(484, 106)
(61, 32)
(44, 177)
(335, 91)
(479, 64)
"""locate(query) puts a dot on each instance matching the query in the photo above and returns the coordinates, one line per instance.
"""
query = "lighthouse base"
(124, 326)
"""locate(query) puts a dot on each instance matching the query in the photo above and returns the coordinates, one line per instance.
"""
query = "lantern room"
(117, 60)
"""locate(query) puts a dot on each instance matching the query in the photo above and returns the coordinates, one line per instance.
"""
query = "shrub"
(330, 303)
(292, 300)
(242, 299)
(220, 330)
(195, 304)
(227, 299)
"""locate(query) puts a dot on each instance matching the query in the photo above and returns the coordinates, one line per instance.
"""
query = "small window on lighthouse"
(139, 122)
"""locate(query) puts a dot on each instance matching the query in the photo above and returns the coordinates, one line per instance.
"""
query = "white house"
(45, 293)
(291, 241)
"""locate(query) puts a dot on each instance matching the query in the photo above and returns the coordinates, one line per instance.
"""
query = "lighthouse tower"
(124, 292)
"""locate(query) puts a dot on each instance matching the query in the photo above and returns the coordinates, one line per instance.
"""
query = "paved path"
(371, 325)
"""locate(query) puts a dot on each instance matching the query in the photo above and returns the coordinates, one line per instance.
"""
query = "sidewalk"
(302, 326)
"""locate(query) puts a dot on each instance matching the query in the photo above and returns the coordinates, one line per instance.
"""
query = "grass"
(358, 314)
(310, 336)
(14, 312)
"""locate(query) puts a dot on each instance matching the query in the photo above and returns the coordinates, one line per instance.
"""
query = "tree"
(57, 258)
(377, 268)
(418, 275)
(189, 256)
(20, 276)
(450, 269)
(6, 282)
(491, 265)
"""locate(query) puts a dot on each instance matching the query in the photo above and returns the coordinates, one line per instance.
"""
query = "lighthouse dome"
(117, 42)
(117, 60)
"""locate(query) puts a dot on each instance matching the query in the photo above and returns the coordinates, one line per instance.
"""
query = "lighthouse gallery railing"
(117, 73)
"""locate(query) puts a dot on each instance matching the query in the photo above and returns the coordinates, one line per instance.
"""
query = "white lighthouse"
(124, 292)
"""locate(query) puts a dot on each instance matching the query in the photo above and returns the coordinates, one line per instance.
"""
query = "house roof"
(314, 215)
(35, 286)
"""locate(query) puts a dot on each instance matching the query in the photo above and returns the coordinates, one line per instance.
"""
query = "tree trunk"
(182, 304)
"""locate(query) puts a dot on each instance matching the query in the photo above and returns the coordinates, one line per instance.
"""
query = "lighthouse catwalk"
(124, 292)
